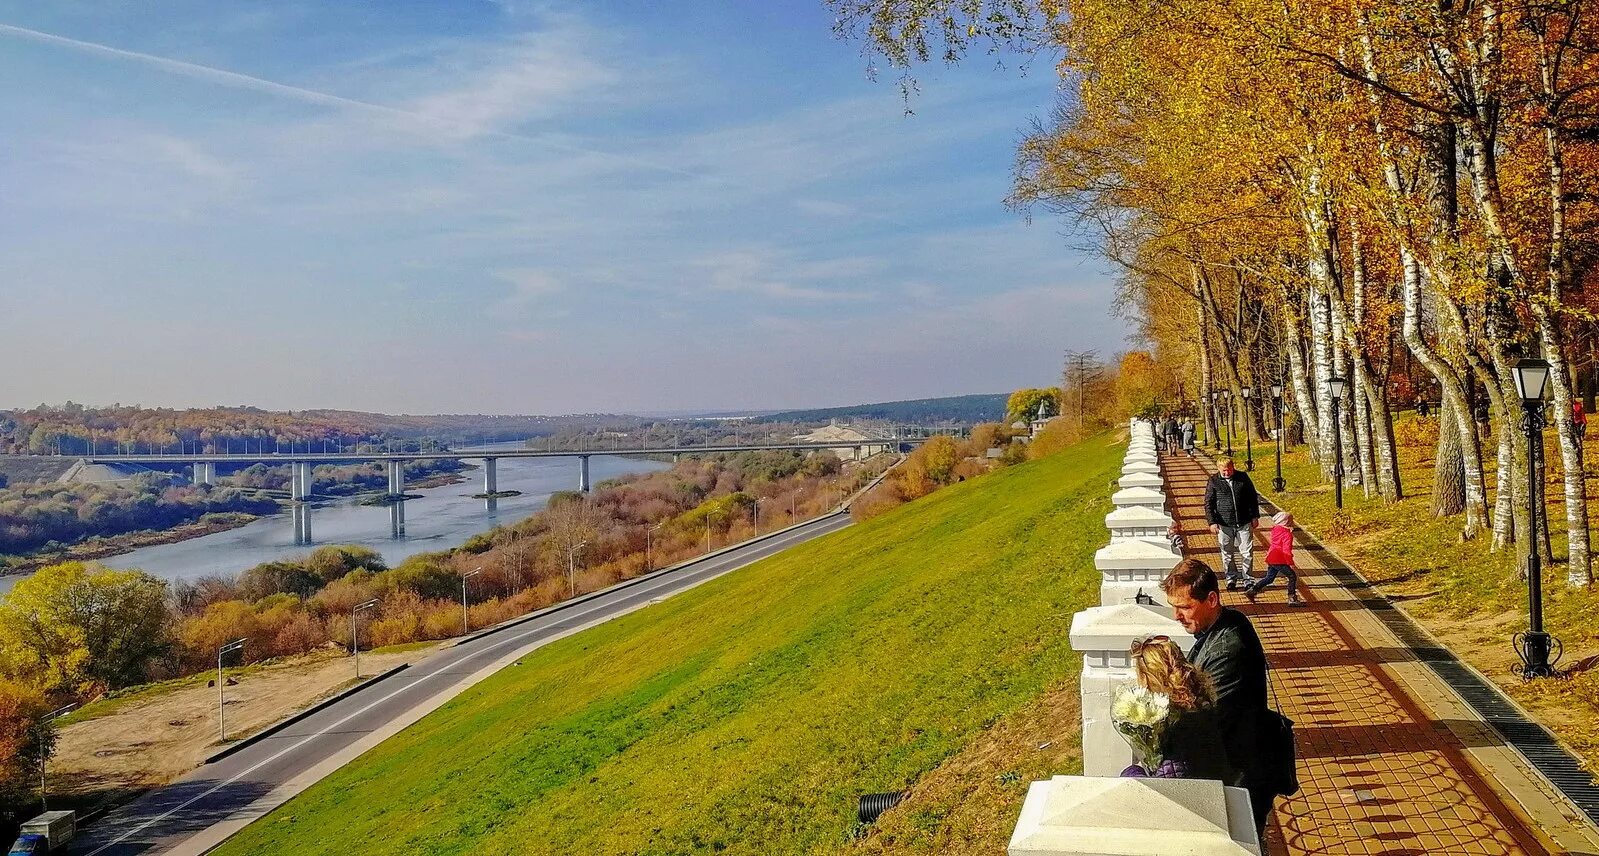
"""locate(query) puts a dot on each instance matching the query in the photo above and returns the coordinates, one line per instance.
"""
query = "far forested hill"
(968, 409)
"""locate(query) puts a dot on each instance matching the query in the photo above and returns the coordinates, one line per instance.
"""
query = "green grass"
(748, 714)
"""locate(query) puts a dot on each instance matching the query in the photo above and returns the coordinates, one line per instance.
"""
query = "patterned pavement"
(1388, 765)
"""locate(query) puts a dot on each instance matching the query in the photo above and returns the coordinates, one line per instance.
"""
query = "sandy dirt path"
(149, 742)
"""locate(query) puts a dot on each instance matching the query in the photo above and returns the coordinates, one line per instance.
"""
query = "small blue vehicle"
(29, 844)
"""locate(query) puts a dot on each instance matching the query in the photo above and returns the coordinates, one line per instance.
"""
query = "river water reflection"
(444, 517)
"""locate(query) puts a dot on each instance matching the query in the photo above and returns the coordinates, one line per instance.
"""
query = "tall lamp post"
(222, 717)
(1249, 441)
(1277, 484)
(1335, 389)
(44, 755)
(649, 546)
(1534, 645)
(571, 569)
(355, 638)
(465, 622)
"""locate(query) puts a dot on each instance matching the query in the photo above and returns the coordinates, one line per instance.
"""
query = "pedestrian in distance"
(1279, 559)
(1232, 507)
(1188, 435)
(1173, 435)
(1192, 746)
(1227, 649)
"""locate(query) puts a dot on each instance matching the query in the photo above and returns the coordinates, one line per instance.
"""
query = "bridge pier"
(205, 473)
(397, 499)
(490, 481)
(583, 473)
(300, 494)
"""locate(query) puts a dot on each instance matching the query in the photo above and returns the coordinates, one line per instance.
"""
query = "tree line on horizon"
(1401, 195)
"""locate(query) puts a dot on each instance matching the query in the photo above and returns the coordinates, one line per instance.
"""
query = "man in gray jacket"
(1227, 649)
(1232, 507)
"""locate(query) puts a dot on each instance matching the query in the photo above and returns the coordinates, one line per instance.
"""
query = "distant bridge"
(300, 464)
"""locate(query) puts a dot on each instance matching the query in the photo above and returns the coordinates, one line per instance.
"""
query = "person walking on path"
(1188, 436)
(1173, 435)
(1232, 508)
(1227, 649)
(1192, 746)
(1279, 560)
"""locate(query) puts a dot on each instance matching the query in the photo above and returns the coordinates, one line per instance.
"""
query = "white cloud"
(529, 287)
(533, 76)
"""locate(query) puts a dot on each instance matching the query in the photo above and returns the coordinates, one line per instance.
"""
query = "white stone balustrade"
(1149, 467)
(1084, 816)
(1136, 521)
(1102, 634)
(1129, 567)
(1141, 480)
(1147, 497)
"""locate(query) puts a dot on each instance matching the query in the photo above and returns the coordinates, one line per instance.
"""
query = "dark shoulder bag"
(1277, 741)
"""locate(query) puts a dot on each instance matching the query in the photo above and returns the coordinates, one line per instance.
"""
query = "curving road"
(199, 809)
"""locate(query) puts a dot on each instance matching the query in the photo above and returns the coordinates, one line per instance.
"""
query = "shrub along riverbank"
(750, 712)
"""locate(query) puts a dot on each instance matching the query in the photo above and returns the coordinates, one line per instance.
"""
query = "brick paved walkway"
(1388, 761)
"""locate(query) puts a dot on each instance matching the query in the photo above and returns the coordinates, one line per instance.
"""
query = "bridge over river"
(301, 462)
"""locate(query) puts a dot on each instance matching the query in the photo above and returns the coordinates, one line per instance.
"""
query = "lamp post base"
(1535, 649)
(1278, 484)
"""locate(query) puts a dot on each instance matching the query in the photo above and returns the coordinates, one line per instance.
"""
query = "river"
(444, 517)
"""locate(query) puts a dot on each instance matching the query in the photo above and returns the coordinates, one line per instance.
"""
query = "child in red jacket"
(1279, 559)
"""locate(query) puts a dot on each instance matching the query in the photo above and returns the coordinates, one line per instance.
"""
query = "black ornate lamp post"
(1249, 441)
(1335, 388)
(1534, 645)
(1278, 484)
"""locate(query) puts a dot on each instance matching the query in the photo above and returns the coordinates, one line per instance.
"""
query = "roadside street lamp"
(1277, 484)
(1534, 645)
(649, 537)
(464, 577)
(44, 757)
(759, 501)
(571, 569)
(222, 717)
(355, 640)
(1249, 441)
(1335, 389)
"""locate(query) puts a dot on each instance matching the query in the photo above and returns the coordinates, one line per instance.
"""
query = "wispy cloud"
(465, 113)
(772, 275)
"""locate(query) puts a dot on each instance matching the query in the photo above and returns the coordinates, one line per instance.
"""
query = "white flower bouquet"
(1140, 717)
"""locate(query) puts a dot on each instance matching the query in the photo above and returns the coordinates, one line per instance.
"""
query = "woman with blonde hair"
(1191, 747)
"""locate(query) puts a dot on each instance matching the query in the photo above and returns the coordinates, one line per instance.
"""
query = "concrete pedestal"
(1136, 521)
(1147, 497)
(1102, 634)
(1085, 816)
(1141, 480)
(1149, 467)
(1129, 567)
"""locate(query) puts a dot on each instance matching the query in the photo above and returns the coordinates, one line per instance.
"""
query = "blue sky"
(513, 207)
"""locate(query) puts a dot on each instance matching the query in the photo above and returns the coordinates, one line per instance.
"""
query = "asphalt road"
(162, 819)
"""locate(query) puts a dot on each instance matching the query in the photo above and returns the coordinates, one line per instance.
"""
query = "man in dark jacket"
(1227, 649)
(1233, 508)
(1174, 436)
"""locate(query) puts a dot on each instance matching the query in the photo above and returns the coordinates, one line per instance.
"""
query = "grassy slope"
(748, 714)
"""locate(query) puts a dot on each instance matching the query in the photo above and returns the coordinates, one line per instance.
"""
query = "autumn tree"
(73, 626)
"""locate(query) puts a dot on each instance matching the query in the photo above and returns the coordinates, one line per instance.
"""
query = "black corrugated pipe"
(873, 805)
